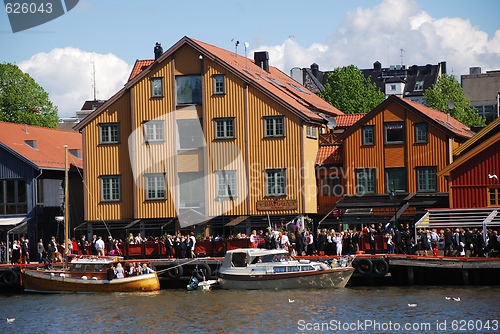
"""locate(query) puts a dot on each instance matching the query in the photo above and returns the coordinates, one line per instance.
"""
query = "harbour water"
(349, 310)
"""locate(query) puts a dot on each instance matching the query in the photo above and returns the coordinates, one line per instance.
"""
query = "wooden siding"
(268, 153)
(470, 180)
(310, 190)
(108, 160)
(409, 155)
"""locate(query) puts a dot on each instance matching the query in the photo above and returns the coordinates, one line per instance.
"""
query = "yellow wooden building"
(202, 134)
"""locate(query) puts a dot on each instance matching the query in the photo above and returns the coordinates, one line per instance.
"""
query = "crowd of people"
(375, 238)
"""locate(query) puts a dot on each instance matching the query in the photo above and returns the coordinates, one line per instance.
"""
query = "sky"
(110, 35)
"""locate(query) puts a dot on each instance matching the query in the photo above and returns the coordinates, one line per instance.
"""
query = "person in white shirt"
(285, 242)
(119, 271)
(138, 239)
(193, 244)
(99, 245)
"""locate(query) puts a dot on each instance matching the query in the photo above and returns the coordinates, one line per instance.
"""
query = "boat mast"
(66, 206)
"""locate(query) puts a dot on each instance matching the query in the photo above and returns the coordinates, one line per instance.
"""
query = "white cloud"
(379, 33)
(66, 74)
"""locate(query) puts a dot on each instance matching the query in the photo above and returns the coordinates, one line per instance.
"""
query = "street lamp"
(393, 194)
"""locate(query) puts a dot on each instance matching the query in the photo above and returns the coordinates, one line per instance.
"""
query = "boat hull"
(330, 278)
(42, 282)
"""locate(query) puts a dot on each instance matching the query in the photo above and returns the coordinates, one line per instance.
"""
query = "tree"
(448, 89)
(24, 101)
(348, 90)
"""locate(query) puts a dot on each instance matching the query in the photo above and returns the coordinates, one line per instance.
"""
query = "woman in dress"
(119, 271)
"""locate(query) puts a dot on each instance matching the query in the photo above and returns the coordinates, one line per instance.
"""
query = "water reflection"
(174, 311)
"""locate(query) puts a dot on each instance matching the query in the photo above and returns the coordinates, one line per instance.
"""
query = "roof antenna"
(246, 59)
(93, 81)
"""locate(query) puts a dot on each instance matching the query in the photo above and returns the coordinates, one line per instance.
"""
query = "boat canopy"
(244, 256)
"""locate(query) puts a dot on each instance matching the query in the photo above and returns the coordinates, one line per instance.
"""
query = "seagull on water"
(11, 319)
(457, 299)
(492, 176)
(412, 304)
(291, 300)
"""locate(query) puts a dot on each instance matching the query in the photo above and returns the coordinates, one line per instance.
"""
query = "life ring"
(203, 270)
(364, 266)
(381, 267)
(171, 272)
(10, 277)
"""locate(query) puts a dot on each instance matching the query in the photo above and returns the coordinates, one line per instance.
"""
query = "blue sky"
(113, 34)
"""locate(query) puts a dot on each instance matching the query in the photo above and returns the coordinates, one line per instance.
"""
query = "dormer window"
(31, 143)
(419, 85)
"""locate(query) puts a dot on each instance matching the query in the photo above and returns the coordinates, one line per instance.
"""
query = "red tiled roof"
(328, 155)
(139, 66)
(347, 120)
(49, 152)
(443, 119)
(275, 82)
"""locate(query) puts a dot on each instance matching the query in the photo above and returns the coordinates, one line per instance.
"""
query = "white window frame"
(155, 186)
(419, 85)
(311, 132)
(226, 184)
(154, 131)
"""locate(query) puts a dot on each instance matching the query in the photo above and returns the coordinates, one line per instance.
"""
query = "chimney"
(443, 67)
(261, 59)
(377, 66)
(315, 69)
(158, 50)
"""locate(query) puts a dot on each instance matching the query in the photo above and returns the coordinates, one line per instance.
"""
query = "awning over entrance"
(191, 217)
(19, 229)
(237, 220)
(12, 221)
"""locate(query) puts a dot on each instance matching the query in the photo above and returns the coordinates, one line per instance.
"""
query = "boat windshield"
(272, 258)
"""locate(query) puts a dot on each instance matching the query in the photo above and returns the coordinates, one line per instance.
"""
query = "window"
(110, 186)
(226, 183)
(274, 126)
(156, 87)
(275, 182)
(368, 135)
(365, 181)
(13, 197)
(394, 133)
(219, 87)
(188, 89)
(419, 85)
(494, 196)
(155, 186)
(191, 190)
(421, 132)
(393, 87)
(154, 131)
(331, 185)
(311, 132)
(426, 179)
(190, 134)
(109, 133)
(395, 179)
(224, 128)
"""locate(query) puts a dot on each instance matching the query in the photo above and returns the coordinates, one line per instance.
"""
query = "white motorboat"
(252, 268)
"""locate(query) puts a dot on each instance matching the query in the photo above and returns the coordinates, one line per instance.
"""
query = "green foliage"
(445, 89)
(23, 101)
(348, 90)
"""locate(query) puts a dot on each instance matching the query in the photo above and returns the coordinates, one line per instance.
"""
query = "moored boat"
(86, 275)
(251, 268)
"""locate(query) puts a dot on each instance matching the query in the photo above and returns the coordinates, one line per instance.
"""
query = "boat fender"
(364, 266)
(381, 267)
(172, 274)
(205, 270)
(10, 277)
